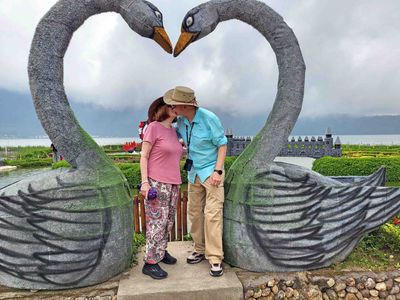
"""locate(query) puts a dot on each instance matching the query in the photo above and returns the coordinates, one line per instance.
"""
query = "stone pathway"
(7, 168)
(305, 162)
(184, 281)
(103, 291)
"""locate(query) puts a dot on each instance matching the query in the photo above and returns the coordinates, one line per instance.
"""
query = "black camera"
(188, 165)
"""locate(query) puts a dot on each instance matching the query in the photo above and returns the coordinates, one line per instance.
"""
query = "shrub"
(229, 160)
(61, 164)
(390, 237)
(31, 153)
(345, 166)
(131, 172)
(112, 148)
(124, 157)
(139, 240)
(187, 237)
(184, 174)
(31, 163)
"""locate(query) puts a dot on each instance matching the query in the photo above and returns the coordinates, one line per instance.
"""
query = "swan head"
(198, 23)
(146, 20)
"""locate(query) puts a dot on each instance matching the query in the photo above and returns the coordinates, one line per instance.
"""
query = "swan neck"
(46, 79)
(289, 98)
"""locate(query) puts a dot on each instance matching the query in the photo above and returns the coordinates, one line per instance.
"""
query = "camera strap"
(189, 137)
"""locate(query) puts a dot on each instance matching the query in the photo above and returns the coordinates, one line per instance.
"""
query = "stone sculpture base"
(70, 236)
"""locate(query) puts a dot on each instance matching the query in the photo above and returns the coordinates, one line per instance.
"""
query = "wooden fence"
(179, 230)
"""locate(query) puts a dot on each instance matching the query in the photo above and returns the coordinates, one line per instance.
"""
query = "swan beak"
(161, 38)
(184, 40)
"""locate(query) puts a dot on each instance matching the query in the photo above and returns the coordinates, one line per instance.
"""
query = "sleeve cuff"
(221, 141)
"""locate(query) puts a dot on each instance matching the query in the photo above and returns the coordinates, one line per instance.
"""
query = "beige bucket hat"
(180, 95)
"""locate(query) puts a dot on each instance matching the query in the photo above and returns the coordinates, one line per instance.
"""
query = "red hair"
(158, 111)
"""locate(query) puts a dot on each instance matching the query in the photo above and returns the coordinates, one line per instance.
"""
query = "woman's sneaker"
(195, 258)
(168, 259)
(154, 271)
(216, 270)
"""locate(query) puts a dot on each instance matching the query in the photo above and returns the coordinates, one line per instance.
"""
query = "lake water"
(381, 139)
(46, 141)
(7, 178)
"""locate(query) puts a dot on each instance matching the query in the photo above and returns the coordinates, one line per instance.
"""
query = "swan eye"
(158, 15)
(189, 21)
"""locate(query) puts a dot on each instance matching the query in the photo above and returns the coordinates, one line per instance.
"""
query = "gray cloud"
(351, 49)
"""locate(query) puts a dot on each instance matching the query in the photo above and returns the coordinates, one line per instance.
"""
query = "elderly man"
(204, 136)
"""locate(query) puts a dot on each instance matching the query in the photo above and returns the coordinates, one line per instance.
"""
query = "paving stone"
(184, 281)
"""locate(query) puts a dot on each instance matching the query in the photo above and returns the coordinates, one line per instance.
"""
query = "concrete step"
(184, 281)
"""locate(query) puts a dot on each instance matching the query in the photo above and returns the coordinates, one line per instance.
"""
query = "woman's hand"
(144, 189)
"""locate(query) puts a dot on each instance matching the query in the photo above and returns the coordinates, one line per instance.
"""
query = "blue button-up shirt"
(207, 136)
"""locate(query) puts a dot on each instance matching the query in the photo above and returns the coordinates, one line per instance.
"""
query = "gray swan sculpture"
(278, 216)
(70, 227)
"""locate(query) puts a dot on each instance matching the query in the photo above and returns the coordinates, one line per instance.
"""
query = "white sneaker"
(216, 270)
(195, 258)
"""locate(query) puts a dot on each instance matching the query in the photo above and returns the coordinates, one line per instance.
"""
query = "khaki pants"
(205, 212)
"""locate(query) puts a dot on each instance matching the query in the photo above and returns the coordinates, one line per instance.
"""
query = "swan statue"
(70, 227)
(278, 216)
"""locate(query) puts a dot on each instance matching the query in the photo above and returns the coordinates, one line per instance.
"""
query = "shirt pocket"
(201, 138)
(201, 134)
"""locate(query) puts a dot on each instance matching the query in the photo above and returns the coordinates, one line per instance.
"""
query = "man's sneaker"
(168, 259)
(216, 270)
(195, 258)
(154, 271)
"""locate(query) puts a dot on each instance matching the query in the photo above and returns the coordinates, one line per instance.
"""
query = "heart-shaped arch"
(46, 60)
(203, 19)
(70, 227)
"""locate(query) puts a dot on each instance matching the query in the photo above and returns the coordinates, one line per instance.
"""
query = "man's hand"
(215, 179)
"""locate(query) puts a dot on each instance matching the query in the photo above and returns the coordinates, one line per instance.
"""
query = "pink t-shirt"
(165, 154)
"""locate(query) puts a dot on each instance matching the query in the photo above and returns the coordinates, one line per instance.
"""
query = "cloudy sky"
(351, 49)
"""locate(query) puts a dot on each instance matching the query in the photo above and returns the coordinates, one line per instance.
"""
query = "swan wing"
(53, 235)
(303, 224)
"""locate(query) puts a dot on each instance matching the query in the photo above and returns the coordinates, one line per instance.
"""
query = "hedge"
(27, 153)
(29, 163)
(61, 164)
(132, 170)
(344, 166)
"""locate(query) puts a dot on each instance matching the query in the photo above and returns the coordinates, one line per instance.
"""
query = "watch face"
(219, 172)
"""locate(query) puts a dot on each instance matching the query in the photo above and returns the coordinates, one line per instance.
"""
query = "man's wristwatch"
(218, 171)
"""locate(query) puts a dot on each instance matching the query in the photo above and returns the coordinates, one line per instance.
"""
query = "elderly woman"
(159, 166)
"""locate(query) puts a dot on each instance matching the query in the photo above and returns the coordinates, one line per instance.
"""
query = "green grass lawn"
(379, 250)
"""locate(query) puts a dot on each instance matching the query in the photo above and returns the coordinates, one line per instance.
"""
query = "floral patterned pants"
(160, 217)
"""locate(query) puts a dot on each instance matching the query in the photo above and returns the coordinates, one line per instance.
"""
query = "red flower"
(129, 146)
(142, 124)
(396, 221)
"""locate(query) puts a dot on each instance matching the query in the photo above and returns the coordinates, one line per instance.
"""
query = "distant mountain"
(17, 116)
(340, 124)
(344, 124)
(18, 119)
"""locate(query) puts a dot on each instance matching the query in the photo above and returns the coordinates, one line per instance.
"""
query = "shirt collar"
(196, 118)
